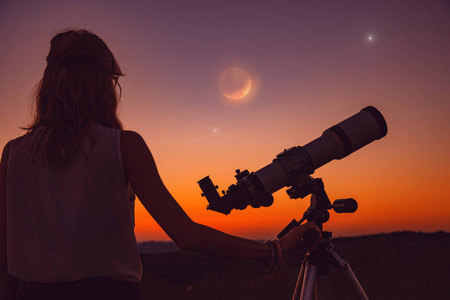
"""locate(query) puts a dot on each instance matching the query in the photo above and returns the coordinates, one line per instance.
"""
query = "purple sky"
(312, 65)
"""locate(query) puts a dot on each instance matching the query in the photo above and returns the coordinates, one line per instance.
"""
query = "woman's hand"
(292, 239)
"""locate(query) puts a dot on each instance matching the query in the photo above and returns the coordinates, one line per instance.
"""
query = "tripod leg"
(354, 283)
(298, 286)
(344, 267)
(309, 282)
(322, 287)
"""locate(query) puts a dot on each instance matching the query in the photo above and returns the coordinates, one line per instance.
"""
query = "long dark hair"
(77, 90)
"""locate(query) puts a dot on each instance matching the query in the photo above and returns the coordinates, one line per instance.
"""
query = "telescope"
(292, 167)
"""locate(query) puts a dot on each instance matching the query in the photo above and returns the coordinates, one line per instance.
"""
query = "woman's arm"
(141, 170)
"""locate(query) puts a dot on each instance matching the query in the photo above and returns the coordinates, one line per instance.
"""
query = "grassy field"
(398, 266)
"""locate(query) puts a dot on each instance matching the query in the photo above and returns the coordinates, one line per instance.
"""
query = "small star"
(215, 130)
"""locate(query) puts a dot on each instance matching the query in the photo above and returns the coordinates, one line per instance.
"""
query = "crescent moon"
(235, 83)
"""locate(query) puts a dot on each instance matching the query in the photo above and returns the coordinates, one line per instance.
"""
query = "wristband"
(276, 260)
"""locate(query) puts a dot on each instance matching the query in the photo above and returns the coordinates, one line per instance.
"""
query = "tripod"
(313, 279)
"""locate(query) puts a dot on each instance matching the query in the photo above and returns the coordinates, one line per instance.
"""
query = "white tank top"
(73, 223)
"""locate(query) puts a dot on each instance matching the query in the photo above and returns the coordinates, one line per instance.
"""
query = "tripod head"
(319, 205)
(317, 260)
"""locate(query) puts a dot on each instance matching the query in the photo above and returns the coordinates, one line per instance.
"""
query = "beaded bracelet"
(269, 264)
(276, 261)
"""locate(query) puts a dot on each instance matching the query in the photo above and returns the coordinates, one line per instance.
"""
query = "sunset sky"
(312, 65)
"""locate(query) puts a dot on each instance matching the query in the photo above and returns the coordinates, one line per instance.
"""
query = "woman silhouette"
(66, 189)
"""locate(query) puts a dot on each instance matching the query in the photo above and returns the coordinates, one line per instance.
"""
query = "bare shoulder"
(128, 136)
(133, 146)
(131, 141)
(139, 165)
